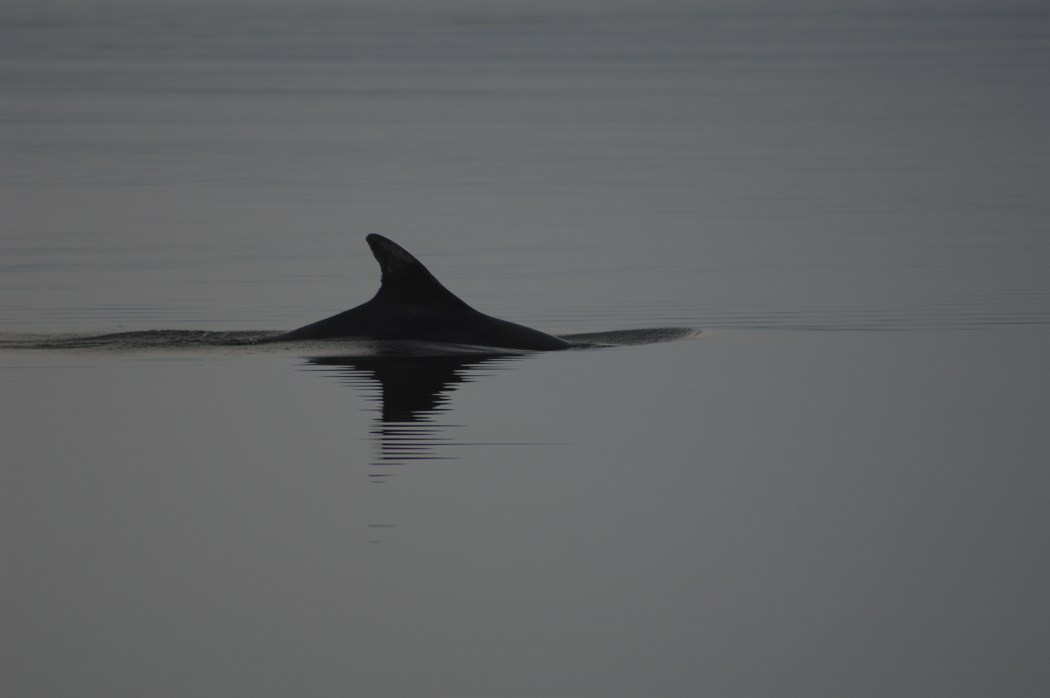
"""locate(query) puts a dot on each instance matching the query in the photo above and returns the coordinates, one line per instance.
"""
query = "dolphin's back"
(413, 305)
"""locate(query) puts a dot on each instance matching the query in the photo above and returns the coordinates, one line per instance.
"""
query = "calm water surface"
(838, 489)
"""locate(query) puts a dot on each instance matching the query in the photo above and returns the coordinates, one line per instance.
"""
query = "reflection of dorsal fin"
(405, 279)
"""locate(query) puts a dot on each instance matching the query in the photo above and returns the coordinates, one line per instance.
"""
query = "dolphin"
(412, 305)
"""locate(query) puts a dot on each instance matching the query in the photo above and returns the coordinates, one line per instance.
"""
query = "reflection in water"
(411, 392)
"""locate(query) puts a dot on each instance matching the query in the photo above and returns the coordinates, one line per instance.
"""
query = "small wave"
(135, 341)
(626, 338)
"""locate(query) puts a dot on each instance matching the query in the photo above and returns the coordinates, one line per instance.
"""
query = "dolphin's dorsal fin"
(405, 279)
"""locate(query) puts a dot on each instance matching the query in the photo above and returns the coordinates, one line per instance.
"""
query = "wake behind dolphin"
(412, 305)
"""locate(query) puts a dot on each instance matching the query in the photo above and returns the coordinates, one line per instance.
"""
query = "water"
(837, 489)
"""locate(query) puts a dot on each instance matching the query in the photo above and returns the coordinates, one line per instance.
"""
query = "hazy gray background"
(838, 491)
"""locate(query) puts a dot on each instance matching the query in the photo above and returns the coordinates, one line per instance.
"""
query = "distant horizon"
(15, 10)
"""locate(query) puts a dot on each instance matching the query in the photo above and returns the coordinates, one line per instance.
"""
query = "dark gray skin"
(412, 305)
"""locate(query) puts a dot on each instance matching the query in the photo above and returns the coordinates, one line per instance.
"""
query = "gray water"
(838, 488)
